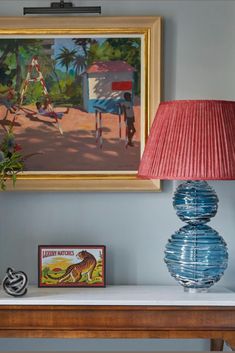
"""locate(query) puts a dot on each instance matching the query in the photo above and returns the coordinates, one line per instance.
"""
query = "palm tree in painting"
(66, 58)
(85, 44)
(82, 43)
(79, 65)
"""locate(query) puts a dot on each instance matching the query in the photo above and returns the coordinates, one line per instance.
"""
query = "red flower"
(17, 148)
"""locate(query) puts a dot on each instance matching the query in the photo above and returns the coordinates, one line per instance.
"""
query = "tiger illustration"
(75, 271)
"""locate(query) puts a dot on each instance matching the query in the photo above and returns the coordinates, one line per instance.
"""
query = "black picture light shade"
(61, 8)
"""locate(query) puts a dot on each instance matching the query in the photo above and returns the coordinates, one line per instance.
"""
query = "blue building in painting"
(104, 83)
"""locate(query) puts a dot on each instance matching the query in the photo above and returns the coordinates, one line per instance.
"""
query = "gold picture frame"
(149, 28)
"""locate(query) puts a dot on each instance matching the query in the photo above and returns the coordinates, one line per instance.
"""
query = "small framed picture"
(71, 266)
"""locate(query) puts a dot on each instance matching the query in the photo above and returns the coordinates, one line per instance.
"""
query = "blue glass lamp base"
(196, 255)
(195, 290)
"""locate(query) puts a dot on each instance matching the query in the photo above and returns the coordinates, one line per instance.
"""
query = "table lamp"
(193, 141)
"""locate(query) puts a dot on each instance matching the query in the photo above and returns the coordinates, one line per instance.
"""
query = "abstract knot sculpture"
(15, 283)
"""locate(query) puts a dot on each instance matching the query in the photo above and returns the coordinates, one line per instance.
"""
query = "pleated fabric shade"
(191, 140)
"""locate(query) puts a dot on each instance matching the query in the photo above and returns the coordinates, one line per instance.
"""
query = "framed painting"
(71, 266)
(80, 95)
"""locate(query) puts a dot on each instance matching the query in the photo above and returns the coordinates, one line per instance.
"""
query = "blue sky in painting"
(69, 44)
(63, 42)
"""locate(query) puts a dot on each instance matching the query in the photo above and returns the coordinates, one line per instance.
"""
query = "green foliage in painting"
(129, 50)
(11, 160)
(14, 54)
(63, 70)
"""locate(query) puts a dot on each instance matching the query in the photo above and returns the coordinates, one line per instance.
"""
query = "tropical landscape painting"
(74, 102)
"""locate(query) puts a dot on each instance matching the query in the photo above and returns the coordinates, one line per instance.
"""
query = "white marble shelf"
(122, 295)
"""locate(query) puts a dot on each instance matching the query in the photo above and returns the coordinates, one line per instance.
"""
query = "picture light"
(61, 8)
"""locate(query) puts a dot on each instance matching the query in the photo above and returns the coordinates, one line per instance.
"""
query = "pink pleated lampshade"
(191, 140)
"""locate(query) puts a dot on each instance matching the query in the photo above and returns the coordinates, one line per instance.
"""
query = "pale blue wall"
(199, 61)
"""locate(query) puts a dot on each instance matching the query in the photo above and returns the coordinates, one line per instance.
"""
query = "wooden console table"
(120, 312)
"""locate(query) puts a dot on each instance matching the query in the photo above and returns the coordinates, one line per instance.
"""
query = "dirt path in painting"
(76, 149)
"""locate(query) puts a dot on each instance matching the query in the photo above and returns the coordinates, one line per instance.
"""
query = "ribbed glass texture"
(195, 202)
(196, 255)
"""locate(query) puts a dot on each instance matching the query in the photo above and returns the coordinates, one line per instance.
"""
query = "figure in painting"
(43, 110)
(6, 98)
(129, 117)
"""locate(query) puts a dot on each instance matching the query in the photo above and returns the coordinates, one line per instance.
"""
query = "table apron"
(116, 318)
